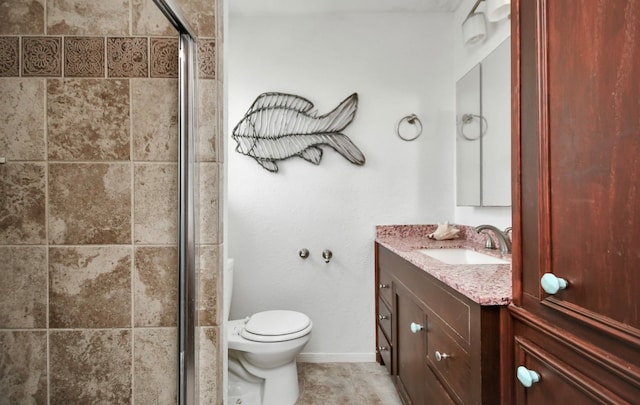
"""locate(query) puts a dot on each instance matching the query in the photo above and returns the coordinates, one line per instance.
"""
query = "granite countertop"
(486, 284)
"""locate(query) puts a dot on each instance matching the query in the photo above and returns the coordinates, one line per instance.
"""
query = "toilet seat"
(276, 326)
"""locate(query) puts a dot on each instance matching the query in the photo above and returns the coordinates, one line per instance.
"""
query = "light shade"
(498, 9)
(474, 29)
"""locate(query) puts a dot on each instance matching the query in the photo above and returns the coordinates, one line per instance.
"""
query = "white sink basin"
(461, 256)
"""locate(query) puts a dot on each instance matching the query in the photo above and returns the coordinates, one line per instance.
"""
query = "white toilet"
(262, 353)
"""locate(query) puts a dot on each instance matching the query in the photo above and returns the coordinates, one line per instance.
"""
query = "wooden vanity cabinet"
(384, 295)
(444, 347)
(576, 142)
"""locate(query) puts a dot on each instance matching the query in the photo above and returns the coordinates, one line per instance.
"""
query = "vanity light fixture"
(498, 9)
(474, 27)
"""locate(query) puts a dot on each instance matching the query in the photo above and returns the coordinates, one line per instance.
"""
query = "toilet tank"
(228, 287)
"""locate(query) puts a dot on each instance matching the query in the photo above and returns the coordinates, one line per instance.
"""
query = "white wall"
(465, 58)
(398, 64)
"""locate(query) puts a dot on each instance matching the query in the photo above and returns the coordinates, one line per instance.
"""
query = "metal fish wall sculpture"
(278, 126)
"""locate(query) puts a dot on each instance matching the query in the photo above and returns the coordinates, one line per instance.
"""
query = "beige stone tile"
(84, 57)
(155, 365)
(201, 15)
(9, 56)
(87, 17)
(156, 286)
(88, 119)
(22, 206)
(90, 367)
(156, 203)
(90, 287)
(373, 384)
(23, 287)
(208, 370)
(154, 115)
(209, 204)
(127, 57)
(149, 20)
(164, 57)
(209, 286)
(21, 17)
(221, 140)
(325, 383)
(220, 8)
(42, 56)
(89, 203)
(22, 119)
(23, 367)
(345, 383)
(207, 121)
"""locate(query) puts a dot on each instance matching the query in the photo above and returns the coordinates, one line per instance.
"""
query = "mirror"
(483, 126)
(468, 141)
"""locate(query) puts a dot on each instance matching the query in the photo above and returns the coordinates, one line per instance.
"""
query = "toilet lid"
(270, 326)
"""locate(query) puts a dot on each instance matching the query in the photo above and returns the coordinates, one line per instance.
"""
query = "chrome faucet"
(503, 238)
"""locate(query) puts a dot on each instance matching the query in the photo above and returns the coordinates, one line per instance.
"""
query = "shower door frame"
(187, 62)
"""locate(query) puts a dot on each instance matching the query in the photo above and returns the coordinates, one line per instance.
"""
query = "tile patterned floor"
(345, 384)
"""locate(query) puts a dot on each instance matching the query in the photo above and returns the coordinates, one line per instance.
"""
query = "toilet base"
(242, 392)
(279, 386)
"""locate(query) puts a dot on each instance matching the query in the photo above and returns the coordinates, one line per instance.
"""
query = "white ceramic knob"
(381, 286)
(527, 377)
(415, 328)
(552, 284)
(383, 348)
(382, 317)
(441, 356)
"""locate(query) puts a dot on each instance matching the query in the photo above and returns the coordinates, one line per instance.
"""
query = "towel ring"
(413, 120)
(466, 119)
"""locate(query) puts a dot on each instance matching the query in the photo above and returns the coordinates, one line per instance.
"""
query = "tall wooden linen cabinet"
(574, 323)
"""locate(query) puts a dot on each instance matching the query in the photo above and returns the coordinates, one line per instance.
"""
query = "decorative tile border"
(84, 56)
(164, 57)
(9, 56)
(207, 58)
(41, 56)
(127, 57)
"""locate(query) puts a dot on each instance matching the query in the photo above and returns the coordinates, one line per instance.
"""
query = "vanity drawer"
(384, 348)
(384, 319)
(384, 287)
(449, 361)
(451, 310)
(440, 299)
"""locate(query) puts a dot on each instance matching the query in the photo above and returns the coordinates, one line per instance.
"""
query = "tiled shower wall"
(88, 202)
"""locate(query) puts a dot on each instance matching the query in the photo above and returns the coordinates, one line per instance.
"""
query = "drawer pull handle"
(415, 327)
(527, 377)
(383, 348)
(441, 356)
(381, 286)
(552, 284)
(382, 317)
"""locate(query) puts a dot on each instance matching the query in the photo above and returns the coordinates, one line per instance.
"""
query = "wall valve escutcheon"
(327, 255)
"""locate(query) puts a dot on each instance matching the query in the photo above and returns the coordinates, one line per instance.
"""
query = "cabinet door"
(581, 151)
(552, 381)
(410, 349)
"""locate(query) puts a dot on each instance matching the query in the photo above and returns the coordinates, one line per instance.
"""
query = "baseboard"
(336, 357)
